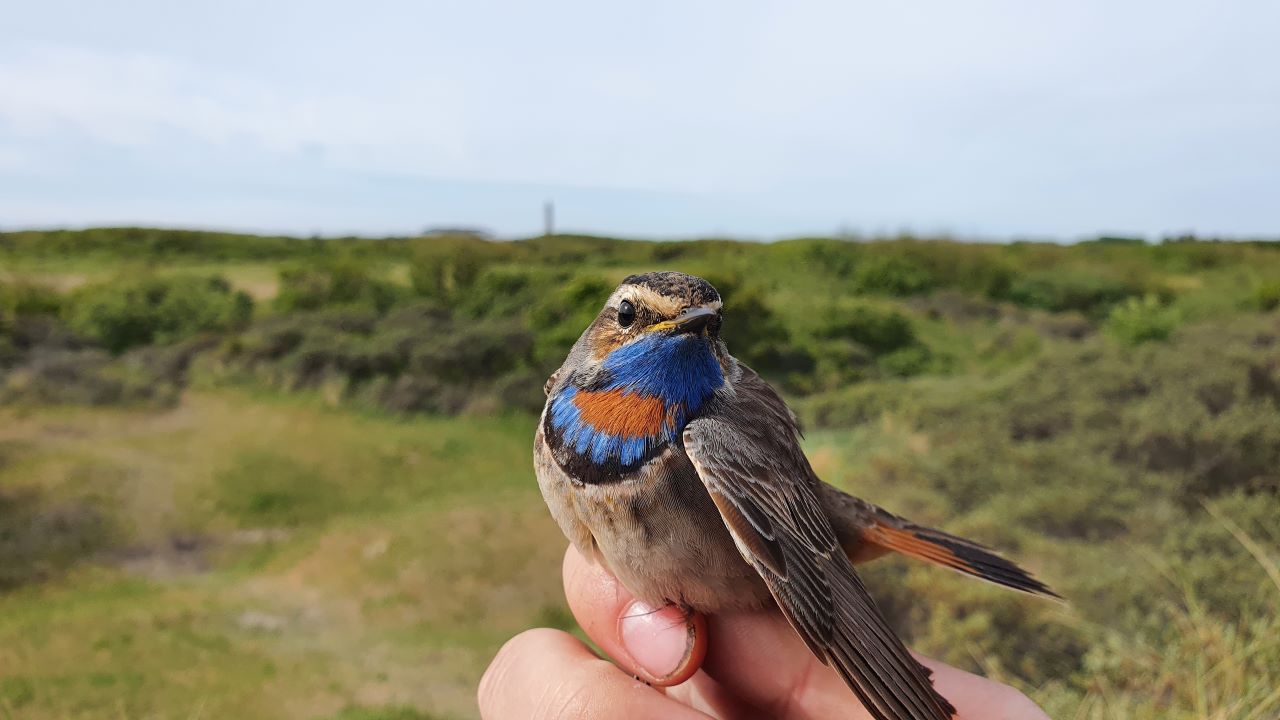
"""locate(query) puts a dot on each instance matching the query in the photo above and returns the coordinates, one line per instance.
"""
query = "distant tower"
(548, 218)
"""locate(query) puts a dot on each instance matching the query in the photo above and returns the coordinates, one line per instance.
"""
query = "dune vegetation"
(266, 477)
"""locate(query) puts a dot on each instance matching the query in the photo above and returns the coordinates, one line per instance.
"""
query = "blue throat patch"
(652, 388)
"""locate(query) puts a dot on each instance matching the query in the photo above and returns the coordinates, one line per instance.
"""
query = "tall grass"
(1209, 666)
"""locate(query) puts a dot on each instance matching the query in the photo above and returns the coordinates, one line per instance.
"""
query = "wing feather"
(745, 449)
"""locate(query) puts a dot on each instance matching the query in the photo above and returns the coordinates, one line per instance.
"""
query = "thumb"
(658, 644)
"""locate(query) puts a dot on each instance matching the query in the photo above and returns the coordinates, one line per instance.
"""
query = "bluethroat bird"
(676, 466)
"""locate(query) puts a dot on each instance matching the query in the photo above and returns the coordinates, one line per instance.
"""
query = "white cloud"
(140, 101)
(992, 116)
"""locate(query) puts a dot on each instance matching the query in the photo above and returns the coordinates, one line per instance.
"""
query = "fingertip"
(666, 645)
(663, 646)
(546, 674)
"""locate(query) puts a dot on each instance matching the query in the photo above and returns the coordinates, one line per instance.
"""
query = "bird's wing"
(746, 452)
(551, 381)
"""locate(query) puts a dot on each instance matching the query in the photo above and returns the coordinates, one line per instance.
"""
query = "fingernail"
(658, 639)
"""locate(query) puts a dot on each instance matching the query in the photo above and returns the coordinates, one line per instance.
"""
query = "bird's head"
(657, 335)
(655, 307)
(642, 369)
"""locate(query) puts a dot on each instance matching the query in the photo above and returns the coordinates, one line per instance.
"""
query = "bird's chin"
(688, 341)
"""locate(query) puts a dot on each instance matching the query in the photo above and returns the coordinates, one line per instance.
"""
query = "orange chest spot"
(621, 414)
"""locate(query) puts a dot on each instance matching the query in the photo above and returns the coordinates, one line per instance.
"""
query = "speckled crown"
(693, 289)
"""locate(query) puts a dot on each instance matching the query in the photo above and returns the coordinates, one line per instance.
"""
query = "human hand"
(739, 665)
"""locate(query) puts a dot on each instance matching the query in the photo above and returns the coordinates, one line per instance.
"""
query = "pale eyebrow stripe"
(641, 295)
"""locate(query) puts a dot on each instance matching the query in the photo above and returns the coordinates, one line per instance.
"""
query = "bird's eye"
(626, 313)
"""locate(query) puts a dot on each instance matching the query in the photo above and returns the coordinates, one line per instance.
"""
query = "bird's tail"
(953, 552)
(867, 532)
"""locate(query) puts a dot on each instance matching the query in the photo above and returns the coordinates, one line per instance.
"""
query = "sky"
(979, 119)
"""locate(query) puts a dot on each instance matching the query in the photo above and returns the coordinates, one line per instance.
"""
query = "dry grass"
(1215, 669)
(425, 546)
(383, 561)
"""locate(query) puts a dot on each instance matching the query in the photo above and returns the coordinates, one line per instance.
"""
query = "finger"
(976, 697)
(758, 658)
(755, 659)
(657, 644)
(750, 659)
(547, 674)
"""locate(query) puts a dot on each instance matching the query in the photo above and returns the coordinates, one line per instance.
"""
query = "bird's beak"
(693, 320)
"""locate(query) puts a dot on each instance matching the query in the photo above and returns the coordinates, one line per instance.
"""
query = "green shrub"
(1083, 290)
(837, 362)
(19, 303)
(754, 331)
(341, 283)
(474, 352)
(855, 341)
(977, 269)
(879, 330)
(856, 404)
(132, 312)
(891, 275)
(169, 244)
(445, 268)
(1192, 255)
(25, 298)
(419, 357)
(578, 250)
(815, 256)
(90, 377)
(907, 361)
(558, 314)
(503, 291)
(1141, 320)
(989, 278)
(1266, 296)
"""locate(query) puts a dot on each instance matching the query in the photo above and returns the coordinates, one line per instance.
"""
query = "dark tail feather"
(956, 553)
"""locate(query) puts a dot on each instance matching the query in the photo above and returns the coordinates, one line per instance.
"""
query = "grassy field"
(265, 557)
(303, 489)
(261, 280)
(270, 558)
